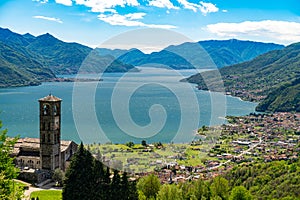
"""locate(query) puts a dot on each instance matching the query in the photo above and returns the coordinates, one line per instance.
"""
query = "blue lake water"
(151, 105)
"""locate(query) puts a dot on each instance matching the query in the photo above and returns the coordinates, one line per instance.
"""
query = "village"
(246, 139)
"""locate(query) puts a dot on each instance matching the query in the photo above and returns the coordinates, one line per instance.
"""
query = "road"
(238, 156)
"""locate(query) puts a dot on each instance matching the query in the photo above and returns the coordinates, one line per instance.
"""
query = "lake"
(151, 105)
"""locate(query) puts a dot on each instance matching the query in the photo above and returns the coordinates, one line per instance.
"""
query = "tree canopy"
(8, 187)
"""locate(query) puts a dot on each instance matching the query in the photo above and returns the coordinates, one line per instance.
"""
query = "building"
(45, 154)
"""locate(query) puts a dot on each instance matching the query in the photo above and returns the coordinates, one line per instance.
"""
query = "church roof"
(33, 145)
(50, 97)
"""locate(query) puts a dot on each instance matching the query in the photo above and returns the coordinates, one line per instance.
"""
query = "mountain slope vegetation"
(29, 60)
(17, 69)
(195, 55)
(261, 79)
(273, 180)
(286, 98)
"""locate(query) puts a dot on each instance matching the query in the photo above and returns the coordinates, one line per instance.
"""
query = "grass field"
(136, 159)
(47, 194)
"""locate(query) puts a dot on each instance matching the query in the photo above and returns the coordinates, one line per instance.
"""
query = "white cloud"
(132, 16)
(64, 2)
(129, 20)
(106, 5)
(203, 7)
(279, 31)
(188, 5)
(162, 4)
(41, 1)
(208, 8)
(225, 11)
(48, 18)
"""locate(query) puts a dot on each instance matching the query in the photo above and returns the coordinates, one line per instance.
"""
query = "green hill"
(273, 180)
(285, 98)
(59, 56)
(256, 79)
(17, 69)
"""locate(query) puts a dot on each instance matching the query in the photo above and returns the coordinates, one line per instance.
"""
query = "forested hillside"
(256, 79)
(29, 60)
(195, 55)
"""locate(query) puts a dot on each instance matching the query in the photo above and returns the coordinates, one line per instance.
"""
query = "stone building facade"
(49, 152)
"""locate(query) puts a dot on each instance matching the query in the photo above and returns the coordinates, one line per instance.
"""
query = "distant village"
(247, 139)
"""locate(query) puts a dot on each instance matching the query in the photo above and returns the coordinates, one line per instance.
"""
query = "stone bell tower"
(50, 122)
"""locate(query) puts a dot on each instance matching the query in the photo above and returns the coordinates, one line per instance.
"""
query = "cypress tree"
(79, 177)
(125, 186)
(133, 193)
(116, 186)
(98, 180)
(106, 185)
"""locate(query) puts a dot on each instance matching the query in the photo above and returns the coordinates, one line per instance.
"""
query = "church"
(38, 158)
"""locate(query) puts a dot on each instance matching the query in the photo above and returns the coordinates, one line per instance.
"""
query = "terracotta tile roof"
(64, 145)
(33, 144)
(51, 98)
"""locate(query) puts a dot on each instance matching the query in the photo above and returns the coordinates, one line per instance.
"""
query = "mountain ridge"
(67, 57)
(48, 55)
(264, 78)
(190, 55)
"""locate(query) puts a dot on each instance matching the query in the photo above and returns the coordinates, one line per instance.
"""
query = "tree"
(8, 188)
(149, 186)
(116, 186)
(130, 144)
(98, 180)
(240, 193)
(202, 190)
(79, 176)
(220, 187)
(133, 193)
(125, 186)
(144, 143)
(169, 192)
(58, 176)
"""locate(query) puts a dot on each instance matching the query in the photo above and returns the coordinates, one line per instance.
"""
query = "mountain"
(59, 56)
(66, 58)
(16, 69)
(254, 80)
(286, 98)
(26, 59)
(230, 52)
(200, 54)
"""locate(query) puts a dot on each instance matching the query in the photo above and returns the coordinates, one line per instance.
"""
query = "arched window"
(54, 110)
(46, 109)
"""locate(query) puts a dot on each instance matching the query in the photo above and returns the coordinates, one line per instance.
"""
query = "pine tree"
(125, 186)
(106, 184)
(79, 177)
(98, 180)
(116, 186)
(133, 193)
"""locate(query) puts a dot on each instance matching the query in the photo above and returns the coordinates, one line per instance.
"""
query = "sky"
(92, 22)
